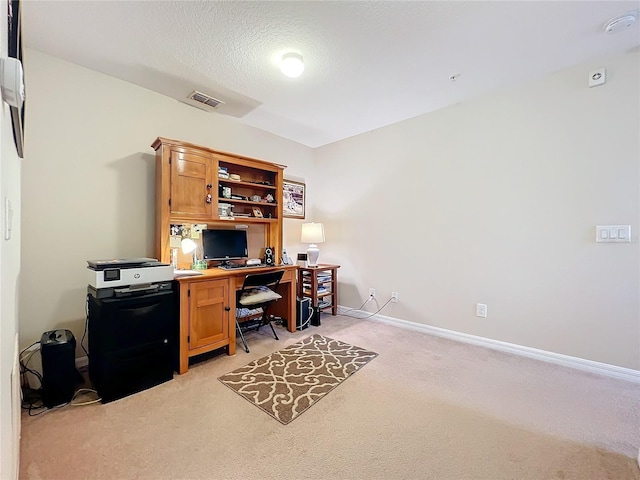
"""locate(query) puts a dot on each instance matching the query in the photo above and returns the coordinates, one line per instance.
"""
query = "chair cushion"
(248, 312)
(258, 295)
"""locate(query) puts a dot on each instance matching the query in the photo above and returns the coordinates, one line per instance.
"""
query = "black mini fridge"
(132, 338)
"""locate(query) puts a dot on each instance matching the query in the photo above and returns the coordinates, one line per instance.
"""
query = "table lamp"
(190, 246)
(312, 233)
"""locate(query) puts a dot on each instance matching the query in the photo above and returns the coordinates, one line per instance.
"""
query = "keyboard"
(233, 266)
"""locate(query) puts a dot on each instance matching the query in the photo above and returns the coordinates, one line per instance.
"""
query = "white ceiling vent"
(205, 101)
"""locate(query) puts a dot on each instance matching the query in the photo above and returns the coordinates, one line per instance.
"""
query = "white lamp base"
(312, 255)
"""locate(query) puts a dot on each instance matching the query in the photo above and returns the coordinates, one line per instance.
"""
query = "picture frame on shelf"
(293, 199)
(257, 212)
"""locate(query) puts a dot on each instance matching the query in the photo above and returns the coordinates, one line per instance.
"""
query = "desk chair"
(258, 291)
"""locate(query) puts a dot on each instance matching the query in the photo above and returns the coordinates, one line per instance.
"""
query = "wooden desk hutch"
(189, 191)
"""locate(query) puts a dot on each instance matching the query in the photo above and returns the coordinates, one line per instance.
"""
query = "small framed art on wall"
(293, 201)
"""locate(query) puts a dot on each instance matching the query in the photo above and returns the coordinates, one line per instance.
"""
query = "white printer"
(127, 271)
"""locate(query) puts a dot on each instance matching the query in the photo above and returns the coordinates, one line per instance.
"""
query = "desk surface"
(212, 273)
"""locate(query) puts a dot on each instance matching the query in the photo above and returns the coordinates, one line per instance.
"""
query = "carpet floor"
(424, 408)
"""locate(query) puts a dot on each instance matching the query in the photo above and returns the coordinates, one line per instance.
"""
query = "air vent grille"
(205, 99)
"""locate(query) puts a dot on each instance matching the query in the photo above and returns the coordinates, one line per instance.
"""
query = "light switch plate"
(613, 233)
(8, 218)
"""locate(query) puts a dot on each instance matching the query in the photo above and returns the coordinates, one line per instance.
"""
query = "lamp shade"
(188, 245)
(312, 233)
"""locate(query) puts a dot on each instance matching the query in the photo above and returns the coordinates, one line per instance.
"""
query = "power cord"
(32, 397)
(371, 297)
(86, 322)
(23, 360)
(366, 316)
(81, 391)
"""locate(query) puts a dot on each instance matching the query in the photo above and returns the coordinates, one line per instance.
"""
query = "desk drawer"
(288, 276)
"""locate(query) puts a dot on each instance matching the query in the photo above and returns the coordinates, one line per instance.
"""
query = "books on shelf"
(307, 291)
(321, 278)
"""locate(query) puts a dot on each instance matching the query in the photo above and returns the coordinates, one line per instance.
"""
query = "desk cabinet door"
(208, 313)
(192, 186)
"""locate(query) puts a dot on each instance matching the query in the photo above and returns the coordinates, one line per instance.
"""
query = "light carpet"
(424, 408)
(289, 381)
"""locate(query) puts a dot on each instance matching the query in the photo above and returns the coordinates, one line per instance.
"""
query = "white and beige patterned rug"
(287, 382)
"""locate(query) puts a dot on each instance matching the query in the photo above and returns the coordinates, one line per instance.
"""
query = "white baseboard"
(591, 366)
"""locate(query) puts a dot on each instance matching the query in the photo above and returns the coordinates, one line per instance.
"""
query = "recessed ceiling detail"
(208, 102)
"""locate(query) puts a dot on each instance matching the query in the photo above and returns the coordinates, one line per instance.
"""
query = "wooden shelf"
(217, 221)
(309, 281)
(319, 295)
(228, 181)
(246, 202)
(188, 192)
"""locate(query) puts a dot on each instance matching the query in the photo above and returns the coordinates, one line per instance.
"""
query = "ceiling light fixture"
(618, 24)
(291, 65)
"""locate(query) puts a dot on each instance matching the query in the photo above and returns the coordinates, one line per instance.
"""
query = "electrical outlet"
(394, 297)
(372, 292)
(481, 310)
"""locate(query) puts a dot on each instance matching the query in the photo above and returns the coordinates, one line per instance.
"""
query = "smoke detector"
(204, 101)
(618, 24)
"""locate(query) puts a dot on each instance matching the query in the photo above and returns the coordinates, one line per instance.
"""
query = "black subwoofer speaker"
(59, 373)
(269, 256)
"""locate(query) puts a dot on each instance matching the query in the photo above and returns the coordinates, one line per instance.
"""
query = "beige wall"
(493, 201)
(496, 201)
(88, 179)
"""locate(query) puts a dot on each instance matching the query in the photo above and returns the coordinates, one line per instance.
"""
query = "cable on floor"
(86, 322)
(82, 391)
(359, 308)
(371, 315)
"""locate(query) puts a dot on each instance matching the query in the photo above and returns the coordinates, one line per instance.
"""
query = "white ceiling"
(367, 64)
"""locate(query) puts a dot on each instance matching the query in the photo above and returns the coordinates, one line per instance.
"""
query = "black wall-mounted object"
(14, 49)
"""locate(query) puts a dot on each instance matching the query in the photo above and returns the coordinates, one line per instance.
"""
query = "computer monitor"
(224, 245)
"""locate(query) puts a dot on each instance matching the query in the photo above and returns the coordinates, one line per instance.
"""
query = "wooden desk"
(208, 309)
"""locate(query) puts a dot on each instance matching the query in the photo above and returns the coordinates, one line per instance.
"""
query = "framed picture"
(293, 199)
(257, 212)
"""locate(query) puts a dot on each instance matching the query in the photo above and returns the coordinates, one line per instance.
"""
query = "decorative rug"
(287, 382)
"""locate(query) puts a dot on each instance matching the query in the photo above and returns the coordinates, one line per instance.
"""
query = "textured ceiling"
(367, 64)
